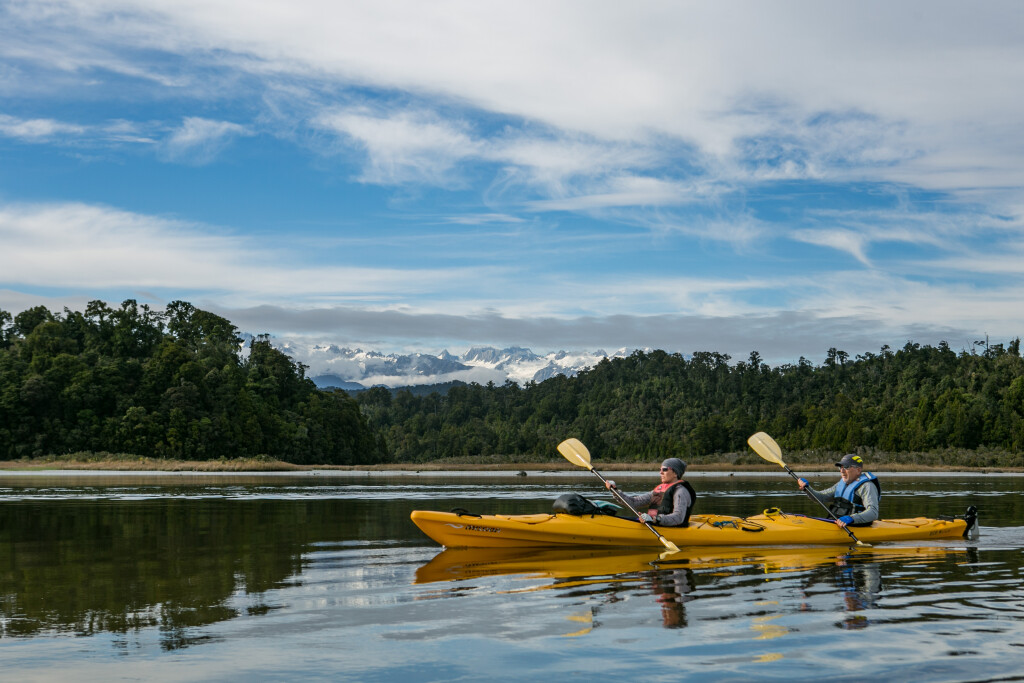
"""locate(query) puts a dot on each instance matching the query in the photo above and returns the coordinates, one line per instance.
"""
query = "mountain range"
(355, 369)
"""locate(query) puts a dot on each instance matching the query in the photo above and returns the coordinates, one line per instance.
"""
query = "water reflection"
(851, 576)
(672, 590)
(860, 585)
(583, 564)
(334, 573)
(172, 565)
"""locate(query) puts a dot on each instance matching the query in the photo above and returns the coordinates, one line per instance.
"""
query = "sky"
(782, 177)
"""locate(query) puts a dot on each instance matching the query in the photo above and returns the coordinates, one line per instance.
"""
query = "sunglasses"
(665, 469)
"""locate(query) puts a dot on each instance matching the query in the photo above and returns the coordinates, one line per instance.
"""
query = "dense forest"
(918, 399)
(180, 384)
(165, 384)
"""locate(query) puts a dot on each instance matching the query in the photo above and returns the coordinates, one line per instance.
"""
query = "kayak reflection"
(457, 564)
(677, 579)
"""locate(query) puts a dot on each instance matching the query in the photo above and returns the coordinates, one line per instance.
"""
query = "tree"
(164, 384)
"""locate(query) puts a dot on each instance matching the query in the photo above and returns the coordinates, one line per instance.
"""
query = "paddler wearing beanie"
(671, 501)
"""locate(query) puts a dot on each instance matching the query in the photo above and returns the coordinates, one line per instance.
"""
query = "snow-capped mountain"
(331, 365)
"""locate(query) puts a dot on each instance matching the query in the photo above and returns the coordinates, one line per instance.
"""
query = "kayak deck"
(463, 530)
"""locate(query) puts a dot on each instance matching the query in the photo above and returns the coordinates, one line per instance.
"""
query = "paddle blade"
(575, 452)
(672, 547)
(766, 447)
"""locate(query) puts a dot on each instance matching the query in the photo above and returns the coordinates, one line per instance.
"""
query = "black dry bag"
(575, 504)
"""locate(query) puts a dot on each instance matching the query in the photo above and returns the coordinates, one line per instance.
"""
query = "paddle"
(575, 452)
(766, 447)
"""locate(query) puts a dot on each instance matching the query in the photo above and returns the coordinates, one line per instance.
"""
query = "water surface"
(231, 577)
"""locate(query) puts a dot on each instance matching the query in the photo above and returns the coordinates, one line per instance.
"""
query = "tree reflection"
(171, 564)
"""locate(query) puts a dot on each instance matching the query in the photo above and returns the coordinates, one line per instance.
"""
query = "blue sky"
(405, 176)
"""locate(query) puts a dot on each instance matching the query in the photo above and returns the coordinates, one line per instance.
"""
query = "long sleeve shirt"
(680, 504)
(868, 494)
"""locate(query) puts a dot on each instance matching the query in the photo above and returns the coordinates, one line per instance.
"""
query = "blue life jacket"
(846, 499)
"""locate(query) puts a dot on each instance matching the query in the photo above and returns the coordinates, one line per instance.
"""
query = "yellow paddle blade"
(575, 452)
(672, 547)
(766, 447)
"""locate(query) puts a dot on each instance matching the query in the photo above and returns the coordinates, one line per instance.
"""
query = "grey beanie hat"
(676, 464)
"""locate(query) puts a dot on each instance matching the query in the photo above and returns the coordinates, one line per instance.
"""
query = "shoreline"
(218, 469)
(117, 463)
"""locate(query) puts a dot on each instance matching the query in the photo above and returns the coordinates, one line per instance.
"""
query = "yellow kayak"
(773, 527)
(457, 564)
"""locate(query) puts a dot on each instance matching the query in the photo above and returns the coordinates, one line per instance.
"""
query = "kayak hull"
(460, 530)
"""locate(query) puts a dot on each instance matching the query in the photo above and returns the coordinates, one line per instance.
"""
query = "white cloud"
(844, 240)
(199, 140)
(897, 303)
(403, 146)
(550, 160)
(36, 130)
(583, 175)
(484, 218)
(904, 82)
(631, 114)
(81, 248)
(625, 191)
(1010, 261)
(52, 131)
(78, 246)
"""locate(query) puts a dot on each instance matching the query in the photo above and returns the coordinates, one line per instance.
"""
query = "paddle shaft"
(622, 499)
(766, 447)
(825, 507)
(575, 452)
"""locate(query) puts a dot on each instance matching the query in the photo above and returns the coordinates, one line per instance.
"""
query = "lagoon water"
(289, 577)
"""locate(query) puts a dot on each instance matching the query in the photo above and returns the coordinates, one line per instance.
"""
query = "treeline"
(165, 384)
(653, 405)
(180, 384)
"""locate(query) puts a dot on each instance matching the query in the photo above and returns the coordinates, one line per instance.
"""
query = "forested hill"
(164, 384)
(178, 384)
(649, 406)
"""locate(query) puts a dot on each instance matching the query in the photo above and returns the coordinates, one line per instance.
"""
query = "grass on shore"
(980, 460)
(122, 462)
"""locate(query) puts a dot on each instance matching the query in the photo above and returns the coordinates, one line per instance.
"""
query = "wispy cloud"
(403, 146)
(1008, 261)
(844, 240)
(97, 249)
(36, 130)
(766, 110)
(76, 246)
(199, 140)
(647, 172)
(63, 133)
(624, 191)
(483, 218)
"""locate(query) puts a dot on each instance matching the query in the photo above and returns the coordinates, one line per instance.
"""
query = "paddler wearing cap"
(671, 501)
(855, 498)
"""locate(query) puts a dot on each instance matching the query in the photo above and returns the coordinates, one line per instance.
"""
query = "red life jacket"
(662, 500)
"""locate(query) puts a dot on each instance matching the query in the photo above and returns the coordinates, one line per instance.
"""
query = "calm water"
(227, 577)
